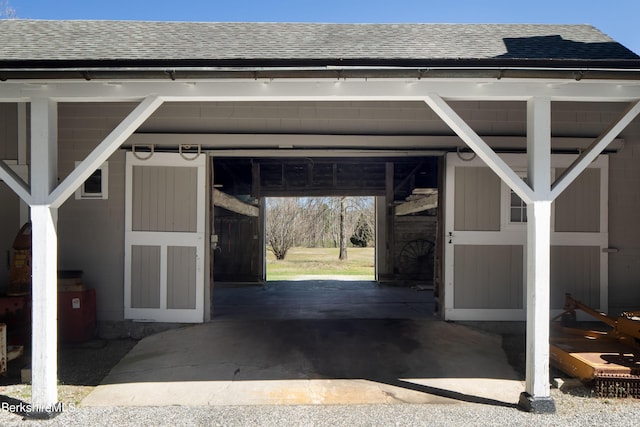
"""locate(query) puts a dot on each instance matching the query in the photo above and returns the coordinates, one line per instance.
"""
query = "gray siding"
(488, 276)
(575, 270)
(9, 206)
(145, 277)
(10, 220)
(164, 199)
(477, 199)
(8, 131)
(624, 226)
(578, 207)
(181, 277)
(91, 232)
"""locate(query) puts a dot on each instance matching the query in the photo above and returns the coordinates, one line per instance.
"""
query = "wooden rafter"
(233, 204)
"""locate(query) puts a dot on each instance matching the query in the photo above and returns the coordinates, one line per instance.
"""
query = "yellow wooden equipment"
(608, 356)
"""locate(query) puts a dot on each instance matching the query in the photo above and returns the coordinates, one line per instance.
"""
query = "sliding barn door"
(164, 238)
(486, 239)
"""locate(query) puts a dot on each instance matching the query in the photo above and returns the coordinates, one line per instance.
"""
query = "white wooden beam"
(479, 146)
(104, 150)
(44, 161)
(325, 89)
(594, 150)
(539, 147)
(14, 182)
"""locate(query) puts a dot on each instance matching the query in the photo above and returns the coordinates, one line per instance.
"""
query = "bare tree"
(313, 221)
(343, 229)
(283, 215)
(6, 11)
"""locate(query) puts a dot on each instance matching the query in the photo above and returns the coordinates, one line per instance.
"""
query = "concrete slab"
(312, 361)
(322, 299)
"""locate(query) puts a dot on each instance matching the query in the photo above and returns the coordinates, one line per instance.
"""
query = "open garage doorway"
(320, 238)
(397, 198)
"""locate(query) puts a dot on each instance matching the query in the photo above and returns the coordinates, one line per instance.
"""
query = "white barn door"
(485, 239)
(164, 238)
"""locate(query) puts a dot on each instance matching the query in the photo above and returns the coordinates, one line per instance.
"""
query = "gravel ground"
(571, 412)
(83, 367)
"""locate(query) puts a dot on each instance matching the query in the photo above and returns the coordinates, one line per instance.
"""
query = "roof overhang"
(321, 68)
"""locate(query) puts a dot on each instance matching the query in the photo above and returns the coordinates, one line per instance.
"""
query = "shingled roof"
(35, 43)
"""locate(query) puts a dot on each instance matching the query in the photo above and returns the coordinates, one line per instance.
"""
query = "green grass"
(322, 262)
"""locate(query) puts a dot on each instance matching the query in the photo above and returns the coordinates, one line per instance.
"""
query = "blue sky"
(619, 19)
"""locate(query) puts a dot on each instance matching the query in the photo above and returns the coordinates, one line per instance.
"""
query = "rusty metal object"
(609, 358)
(7, 353)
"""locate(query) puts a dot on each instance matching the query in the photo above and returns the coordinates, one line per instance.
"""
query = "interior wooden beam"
(233, 204)
(419, 205)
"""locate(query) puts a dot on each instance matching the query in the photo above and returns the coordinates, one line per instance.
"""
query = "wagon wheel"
(416, 259)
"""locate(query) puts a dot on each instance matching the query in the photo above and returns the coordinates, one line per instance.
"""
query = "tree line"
(319, 222)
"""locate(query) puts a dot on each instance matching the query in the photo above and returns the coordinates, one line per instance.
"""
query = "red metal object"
(76, 316)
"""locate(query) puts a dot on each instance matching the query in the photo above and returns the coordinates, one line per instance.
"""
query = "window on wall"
(517, 208)
(513, 208)
(96, 187)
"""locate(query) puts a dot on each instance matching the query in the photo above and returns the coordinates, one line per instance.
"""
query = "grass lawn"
(299, 262)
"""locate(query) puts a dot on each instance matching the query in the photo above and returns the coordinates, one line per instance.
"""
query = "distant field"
(322, 262)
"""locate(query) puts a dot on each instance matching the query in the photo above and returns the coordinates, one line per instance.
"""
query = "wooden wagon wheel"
(416, 259)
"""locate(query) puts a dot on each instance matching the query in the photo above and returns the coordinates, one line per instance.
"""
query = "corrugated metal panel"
(577, 209)
(488, 276)
(477, 199)
(145, 277)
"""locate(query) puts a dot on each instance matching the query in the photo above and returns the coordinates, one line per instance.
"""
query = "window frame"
(82, 194)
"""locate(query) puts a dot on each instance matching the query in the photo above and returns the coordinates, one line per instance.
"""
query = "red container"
(76, 316)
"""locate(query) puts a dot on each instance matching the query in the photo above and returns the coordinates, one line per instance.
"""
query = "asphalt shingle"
(35, 40)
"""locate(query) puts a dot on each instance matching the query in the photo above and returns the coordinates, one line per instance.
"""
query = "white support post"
(44, 161)
(44, 368)
(536, 397)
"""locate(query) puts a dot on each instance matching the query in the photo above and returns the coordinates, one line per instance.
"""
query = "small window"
(513, 208)
(97, 185)
(517, 208)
